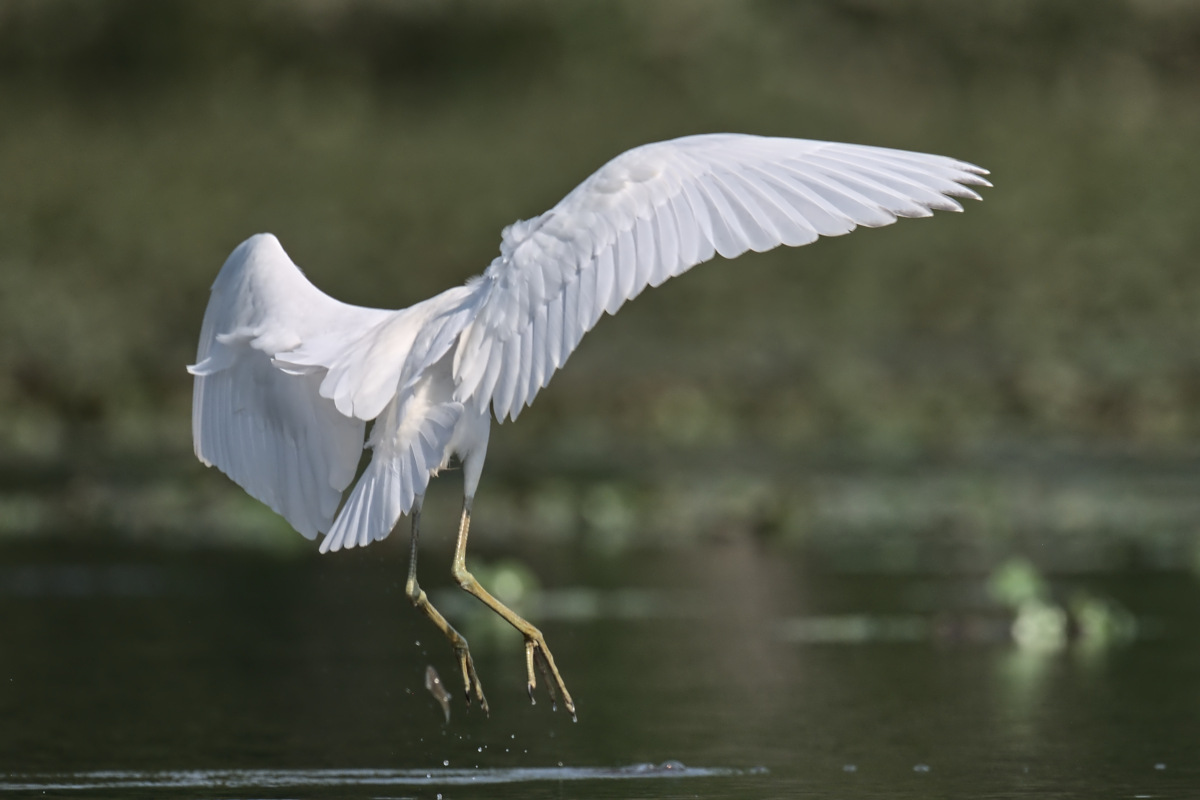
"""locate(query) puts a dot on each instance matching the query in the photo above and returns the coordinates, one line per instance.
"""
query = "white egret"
(286, 377)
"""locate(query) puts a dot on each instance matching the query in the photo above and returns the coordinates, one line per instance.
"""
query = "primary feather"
(286, 376)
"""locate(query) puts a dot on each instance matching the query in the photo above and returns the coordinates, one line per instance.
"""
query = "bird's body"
(287, 377)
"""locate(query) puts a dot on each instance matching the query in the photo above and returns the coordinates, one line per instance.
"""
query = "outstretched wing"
(268, 429)
(660, 209)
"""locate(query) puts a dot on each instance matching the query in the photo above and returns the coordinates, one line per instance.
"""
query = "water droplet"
(921, 768)
(446, 762)
(560, 763)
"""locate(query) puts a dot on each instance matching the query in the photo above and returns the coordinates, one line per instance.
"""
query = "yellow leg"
(535, 643)
(416, 596)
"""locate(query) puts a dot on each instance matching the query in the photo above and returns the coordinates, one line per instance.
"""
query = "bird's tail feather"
(398, 474)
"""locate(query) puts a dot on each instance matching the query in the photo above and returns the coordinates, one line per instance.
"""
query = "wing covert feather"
(656, 211)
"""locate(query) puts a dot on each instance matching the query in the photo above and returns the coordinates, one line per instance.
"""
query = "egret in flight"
(286, 377)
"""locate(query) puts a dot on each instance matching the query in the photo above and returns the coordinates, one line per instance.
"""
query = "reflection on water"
(225, 674)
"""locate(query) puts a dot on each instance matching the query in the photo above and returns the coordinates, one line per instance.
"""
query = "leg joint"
(413, 592)
(462, 576)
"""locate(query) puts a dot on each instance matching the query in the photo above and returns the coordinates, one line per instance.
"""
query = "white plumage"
(287, 377)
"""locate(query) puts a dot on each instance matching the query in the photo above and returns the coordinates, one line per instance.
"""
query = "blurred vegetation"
(387, 143)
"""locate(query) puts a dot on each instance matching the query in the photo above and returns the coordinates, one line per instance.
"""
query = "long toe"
(471, 682)
(541, 662)
(537, 650)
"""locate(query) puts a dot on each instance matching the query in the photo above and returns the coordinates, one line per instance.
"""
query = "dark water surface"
(724, 670)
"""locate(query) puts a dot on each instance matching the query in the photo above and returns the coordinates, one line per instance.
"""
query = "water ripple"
(292, 778)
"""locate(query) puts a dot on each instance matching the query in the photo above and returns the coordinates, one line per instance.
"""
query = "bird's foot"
(537, 651)
(470, 677)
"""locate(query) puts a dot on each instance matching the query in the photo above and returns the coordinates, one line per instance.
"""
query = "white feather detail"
(656, 211)
(286, 377)
(267, 429)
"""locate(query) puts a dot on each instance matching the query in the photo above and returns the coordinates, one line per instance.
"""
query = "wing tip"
(972, 174)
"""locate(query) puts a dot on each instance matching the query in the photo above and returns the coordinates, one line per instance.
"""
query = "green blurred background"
(1024, 370)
